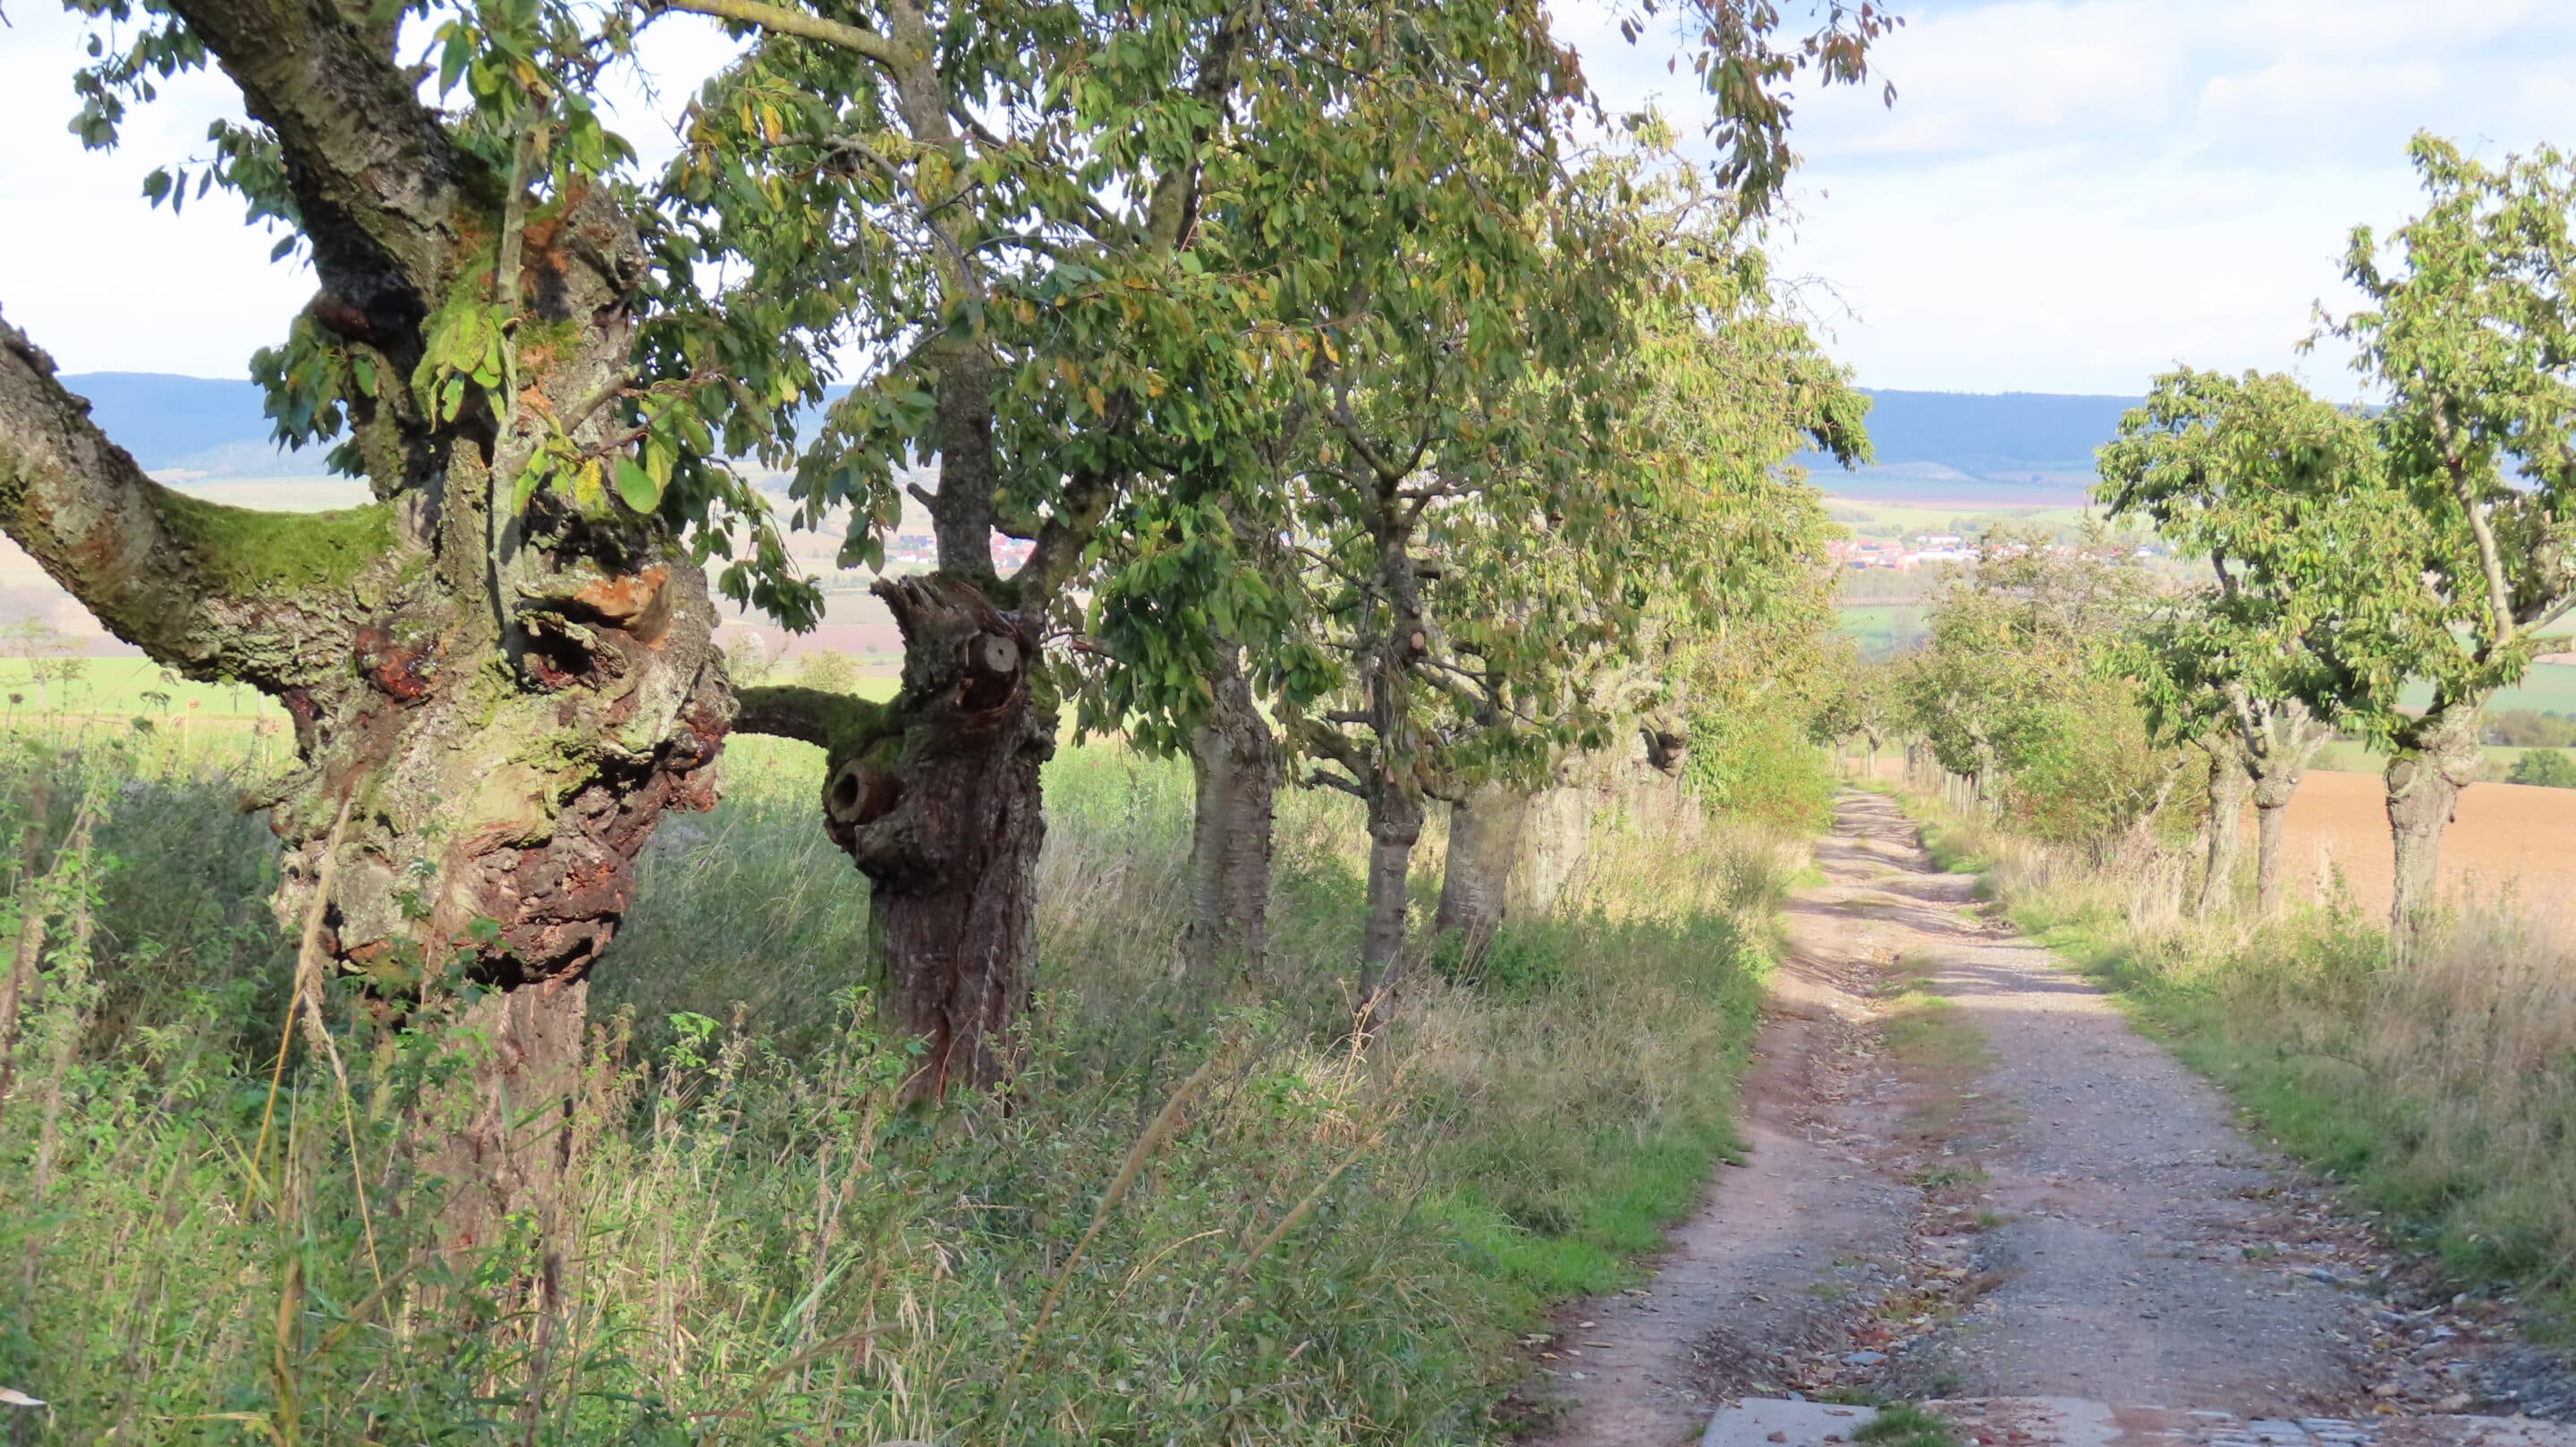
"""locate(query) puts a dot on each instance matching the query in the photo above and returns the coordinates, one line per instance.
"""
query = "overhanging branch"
(784, 21)
(211, 591)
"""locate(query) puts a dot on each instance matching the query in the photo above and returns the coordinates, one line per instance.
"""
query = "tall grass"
(1191, 1219)
(2444, 1092)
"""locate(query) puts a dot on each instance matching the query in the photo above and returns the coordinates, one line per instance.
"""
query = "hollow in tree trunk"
(2228, 787)
(1234, 765)
(1484, 843)
(2438, 759)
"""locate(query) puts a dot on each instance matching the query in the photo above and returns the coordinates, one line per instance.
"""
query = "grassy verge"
(2443, 1095)
(1324, 1246)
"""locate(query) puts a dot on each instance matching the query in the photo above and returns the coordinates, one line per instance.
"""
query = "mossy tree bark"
(503, 702)
(935, 797)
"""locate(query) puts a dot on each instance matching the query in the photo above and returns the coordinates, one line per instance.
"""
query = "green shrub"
(2548, 768)
(1759, 765)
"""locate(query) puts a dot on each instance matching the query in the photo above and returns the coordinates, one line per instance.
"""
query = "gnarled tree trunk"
(1234, 765)
(2228, 786)
(935, 796)
(1663, 802)
(1484, 843)
(2424, 779)
(502, 698)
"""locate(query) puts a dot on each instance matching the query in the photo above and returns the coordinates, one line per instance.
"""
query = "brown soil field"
(2504, 836)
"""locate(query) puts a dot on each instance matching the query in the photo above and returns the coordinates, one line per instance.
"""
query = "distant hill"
(190, 424)
(2000, 448)
(2009, 448)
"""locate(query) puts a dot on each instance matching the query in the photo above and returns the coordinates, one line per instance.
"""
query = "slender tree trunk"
(2424, 781)
(2228, 787)
(2268, 822)
(1395, 826)
(1234, 763)
(1484, 842)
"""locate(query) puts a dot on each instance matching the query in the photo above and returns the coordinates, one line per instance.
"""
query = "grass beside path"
(2443, 1096)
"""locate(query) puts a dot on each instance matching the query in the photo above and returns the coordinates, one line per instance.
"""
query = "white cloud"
(106, 283)
(2068, 195)
(2071, 195)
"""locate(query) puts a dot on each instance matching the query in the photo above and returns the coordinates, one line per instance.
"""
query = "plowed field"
(2504, 834)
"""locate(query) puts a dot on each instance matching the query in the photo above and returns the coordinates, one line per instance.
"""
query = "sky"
(2067, 196)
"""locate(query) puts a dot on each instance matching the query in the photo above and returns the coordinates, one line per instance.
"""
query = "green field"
(1878, 517)
(2549, 688)
(1882, 629)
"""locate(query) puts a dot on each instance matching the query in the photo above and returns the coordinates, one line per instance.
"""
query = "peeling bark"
(1484, 842)
(1234, 766)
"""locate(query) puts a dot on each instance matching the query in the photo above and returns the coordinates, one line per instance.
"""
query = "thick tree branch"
(841, 724)
(212, 591)
(1066, 532)
(2490, 558)
(376, 178)
(1175, 205)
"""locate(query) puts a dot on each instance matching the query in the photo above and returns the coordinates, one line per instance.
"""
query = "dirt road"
(1968, 1178)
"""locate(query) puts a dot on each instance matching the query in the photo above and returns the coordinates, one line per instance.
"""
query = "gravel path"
(2070, 1214)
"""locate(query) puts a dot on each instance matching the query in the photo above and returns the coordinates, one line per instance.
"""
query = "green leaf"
(636, 488)
(451, 60)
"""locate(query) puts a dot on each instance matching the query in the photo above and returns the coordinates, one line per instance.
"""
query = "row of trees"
(1333, 377)
(2380, 570)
